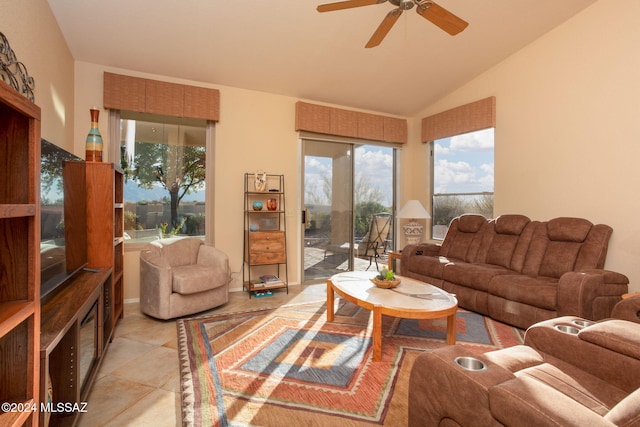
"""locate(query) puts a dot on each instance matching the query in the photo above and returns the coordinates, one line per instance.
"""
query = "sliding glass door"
(348, 204)
(328, 201)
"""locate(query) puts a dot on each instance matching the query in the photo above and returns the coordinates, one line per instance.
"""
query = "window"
(164, 163)
(462, 178)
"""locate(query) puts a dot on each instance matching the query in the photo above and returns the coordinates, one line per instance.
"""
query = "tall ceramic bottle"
(94, 139)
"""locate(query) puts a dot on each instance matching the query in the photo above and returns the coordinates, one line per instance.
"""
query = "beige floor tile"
(109, 397)
(157, 333)
(153, 368)
(121, 351)
(159, 408)
(139, 380)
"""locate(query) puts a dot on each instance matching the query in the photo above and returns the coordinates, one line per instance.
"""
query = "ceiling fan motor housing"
(403, 4)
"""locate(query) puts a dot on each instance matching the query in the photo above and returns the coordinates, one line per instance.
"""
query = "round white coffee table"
(411, 299)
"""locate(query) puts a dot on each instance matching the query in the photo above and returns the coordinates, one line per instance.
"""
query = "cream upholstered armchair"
(182, 276)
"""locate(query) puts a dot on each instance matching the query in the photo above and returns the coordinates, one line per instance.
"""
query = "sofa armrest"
(425, 249)
(439, 389)
(590, 294)
(156, 284)
(526, 401)
(609, 350)
(422, 249)
(628, 309)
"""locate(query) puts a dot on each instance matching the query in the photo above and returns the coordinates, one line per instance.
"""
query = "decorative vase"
(272, 204)
(93, 145)
(257, 206)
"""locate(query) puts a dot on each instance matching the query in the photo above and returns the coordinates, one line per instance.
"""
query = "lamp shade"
(413, 209)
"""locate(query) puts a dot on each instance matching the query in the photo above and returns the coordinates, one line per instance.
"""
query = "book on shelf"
(257, 283)
(270, 279)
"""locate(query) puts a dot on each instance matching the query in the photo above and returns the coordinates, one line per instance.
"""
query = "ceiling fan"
(429, 10)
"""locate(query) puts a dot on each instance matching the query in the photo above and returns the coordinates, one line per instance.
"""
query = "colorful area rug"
(288, 366)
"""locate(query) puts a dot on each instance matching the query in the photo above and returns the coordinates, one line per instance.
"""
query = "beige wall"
(256, 131)
(566, 137)
(568, 128)
(37, 41)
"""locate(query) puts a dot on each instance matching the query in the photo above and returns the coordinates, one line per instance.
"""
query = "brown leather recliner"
(569, 372)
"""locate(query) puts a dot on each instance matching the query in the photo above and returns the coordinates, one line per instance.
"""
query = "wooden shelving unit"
(105, 234)
(265, 237)
(19, 254)
(70, 317)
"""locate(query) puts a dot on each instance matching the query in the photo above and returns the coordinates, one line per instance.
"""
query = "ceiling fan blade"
(441, 17)
(346, 5)
(384, 27)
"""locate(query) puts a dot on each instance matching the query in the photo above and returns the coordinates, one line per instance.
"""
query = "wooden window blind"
(341, 122)
(471, 117)
(156, 97)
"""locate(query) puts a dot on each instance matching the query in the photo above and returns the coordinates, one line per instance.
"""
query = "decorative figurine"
(260, 180)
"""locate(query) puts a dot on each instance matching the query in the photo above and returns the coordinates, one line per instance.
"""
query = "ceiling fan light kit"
(429, 10)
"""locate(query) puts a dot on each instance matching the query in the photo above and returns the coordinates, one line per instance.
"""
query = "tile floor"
(138, 383)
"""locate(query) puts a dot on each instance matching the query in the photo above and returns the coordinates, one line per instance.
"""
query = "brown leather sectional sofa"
(520, 271)
(569, 372)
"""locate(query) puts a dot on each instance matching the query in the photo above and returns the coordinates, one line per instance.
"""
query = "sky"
(373, 163)
(464, 163)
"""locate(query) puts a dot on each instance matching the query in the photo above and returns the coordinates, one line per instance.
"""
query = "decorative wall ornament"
(14, 72)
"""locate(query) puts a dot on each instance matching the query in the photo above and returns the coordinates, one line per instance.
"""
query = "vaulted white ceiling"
(286, 47)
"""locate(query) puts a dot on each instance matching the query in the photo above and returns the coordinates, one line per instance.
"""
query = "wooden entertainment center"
(52, 347)
(78, 320)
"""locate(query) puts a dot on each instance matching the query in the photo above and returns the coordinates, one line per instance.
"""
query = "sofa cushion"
(179, 251)
(427, 266)
(536, 291)
(471, 223)
(568, 229)
(590, 391)
(627, 412)
(511, 224)
(475, 276)
(559, 258)
(501, 250)
(525, 401)
(508, 229)
(191, 279)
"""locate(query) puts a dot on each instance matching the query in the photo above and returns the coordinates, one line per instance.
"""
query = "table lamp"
(413, 210)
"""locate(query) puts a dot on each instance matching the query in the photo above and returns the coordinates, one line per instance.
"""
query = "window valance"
(471, 117)
(340, 122)
(162, 98)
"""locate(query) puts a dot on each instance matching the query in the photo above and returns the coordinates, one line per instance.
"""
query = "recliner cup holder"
(582, 323)
(567, 329)
(470, 363)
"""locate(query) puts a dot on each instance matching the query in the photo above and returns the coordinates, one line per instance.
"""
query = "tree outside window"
(164, 165)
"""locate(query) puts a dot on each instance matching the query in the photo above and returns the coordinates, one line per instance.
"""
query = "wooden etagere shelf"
(105, 233)
(265, 237)
(19, 255)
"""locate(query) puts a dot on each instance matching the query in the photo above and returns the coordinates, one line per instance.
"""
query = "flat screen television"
(63, 226)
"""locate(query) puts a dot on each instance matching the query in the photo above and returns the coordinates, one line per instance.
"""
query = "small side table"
(625, 296)
(394, 255)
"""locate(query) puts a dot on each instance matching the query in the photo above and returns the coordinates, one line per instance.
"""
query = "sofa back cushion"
(178, 251)
(566, 244)
(507, 239)
(464, 237)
